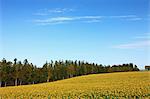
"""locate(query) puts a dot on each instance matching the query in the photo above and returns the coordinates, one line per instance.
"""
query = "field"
(96, 86)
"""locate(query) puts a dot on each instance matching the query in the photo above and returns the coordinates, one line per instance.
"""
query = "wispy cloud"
(40, 14)
(60, 10)
(123, 16)
(54, 19)
(142, 41)
(89, 17)
(135, 19)
(127, 17)
(134, 45)
(57, 20)
(44, 12)
(92, 21)
(142, 37)
(67, 19)
(146, 36)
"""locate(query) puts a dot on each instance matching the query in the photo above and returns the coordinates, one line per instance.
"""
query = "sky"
(101, 31)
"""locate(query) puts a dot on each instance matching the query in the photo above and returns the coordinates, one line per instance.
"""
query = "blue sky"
(100, 31)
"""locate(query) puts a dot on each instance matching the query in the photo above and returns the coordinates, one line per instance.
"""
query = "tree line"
(21, 73)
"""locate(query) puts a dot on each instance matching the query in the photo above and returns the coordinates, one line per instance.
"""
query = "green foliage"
(17, 73)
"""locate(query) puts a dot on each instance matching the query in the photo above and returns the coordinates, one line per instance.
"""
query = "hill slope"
(125, 84)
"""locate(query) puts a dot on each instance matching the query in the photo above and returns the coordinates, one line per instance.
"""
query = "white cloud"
(146, 36)
(53, 20)
(123, 16)
(44, 12)
(90, 17)
(135, 19)
(92, 21)
(56, 20)
(52, 23)
(59, 19)
(40, 14)
(127, 17)
(142, 37)
(59, 10)
(134, 45)
(86, 19)
(142, 41)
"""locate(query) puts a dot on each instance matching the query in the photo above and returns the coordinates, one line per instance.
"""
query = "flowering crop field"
(121, 85)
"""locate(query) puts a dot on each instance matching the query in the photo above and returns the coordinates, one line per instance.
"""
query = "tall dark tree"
(20, 72)
(27, 73)
(15, 60)
(15, 71)
(6, 68)
(48, 69)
